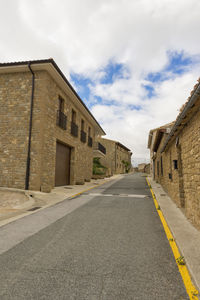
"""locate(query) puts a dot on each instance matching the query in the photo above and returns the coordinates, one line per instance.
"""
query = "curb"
(180, 261)
(24, 214)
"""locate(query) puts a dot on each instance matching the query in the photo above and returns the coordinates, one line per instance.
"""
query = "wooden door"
(62, 173)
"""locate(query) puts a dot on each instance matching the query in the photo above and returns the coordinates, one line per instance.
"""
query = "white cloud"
(132, 126)
(84, 36)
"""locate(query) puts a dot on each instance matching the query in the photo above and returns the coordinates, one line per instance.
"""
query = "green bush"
(98, 168)
(127, 165)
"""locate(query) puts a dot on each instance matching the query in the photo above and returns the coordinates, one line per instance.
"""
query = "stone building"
(47, 132)
(147, 169)
(177, 158)
(113, 154)
(154, 136)
(141, 167)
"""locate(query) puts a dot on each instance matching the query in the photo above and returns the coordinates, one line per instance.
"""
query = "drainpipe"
(30, 130)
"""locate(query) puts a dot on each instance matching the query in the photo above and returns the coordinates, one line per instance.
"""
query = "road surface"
(112, 247)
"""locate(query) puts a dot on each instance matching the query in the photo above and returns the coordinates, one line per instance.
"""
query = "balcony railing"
(74, 129)
(89, 141)
(101, 148)
(61, 120)
(83, 136)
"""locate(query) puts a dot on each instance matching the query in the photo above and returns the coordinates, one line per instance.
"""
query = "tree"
(127, 165)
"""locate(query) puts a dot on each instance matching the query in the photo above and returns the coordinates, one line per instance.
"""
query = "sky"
(133, 62)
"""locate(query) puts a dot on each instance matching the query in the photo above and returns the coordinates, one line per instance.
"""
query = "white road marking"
(117, 195)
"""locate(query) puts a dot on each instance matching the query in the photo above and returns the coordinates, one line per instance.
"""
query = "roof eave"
(183, 114)
(20, 66)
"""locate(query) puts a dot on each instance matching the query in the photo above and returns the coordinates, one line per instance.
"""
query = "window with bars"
(74, 126)
(61, 119)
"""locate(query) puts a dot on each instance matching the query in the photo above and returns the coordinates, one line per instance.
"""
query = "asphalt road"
(113, 247)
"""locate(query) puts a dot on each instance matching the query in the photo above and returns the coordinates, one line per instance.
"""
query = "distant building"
(114, 156)
(141, 167)
(154, 138)
(147, 169)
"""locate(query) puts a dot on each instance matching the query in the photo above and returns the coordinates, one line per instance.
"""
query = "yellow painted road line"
(190, 288)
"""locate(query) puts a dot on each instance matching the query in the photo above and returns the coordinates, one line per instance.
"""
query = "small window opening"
(175, 164)
(61, 104)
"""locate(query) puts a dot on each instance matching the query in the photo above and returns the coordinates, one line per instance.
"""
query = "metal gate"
(62, 174)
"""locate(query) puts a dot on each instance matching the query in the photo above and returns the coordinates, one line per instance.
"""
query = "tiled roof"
(158, 129)
(118, 143)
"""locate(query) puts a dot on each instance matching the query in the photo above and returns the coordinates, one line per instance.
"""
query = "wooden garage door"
(62, 176)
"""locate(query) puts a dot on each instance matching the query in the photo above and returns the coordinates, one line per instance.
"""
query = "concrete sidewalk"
(186, 235)
(15, 204)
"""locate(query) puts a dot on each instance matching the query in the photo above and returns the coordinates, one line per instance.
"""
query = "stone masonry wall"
(81, 153)
(166, 175)
(15, 93)
(184, 185)
(189, 141)
(114, 156)
(121, 155)
(108, 160)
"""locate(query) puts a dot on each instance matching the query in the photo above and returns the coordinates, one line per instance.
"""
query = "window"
(61, 119)
(90, 142)
(175, 162)
(83, 134)
(73, 116)
(60, 104)
(74, 127)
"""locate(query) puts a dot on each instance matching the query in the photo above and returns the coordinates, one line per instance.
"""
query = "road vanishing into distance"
(112, 247)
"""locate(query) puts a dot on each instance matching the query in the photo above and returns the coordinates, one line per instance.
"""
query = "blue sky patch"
(82, 87)
(150, 90)
(114, 71)
(134, 107)
(82, 84)
(178, 63)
